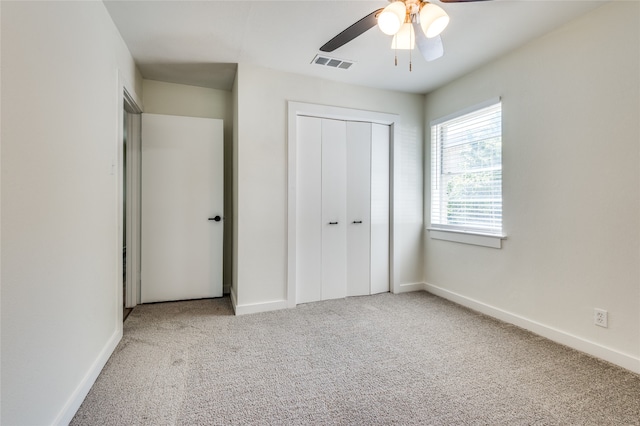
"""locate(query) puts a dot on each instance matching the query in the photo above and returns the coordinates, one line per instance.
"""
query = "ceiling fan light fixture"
(433, 19)
(404, 39)
(392, 17)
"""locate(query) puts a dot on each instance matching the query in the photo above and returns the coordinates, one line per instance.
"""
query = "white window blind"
(466, 171)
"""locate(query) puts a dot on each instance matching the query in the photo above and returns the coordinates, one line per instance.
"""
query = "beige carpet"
(386, 359)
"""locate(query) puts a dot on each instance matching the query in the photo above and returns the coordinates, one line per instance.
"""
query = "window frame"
(462, 234)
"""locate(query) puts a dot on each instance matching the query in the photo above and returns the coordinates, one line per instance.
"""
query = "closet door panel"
(308, 211)
(380, 208)
(358, 208)
(334, 195)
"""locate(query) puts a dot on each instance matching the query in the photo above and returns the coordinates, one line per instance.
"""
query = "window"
(466, 171)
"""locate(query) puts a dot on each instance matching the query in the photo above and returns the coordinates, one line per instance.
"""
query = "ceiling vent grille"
(332, 62)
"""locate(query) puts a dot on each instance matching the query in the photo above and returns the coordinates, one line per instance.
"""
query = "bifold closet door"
(358, 208)
(308, 210)
(342, 209)
(334, 209)
(380, 146)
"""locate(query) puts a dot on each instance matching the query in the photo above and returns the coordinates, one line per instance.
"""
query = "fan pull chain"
(410, 63)
(395, 50)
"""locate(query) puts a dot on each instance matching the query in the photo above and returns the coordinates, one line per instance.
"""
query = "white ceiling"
(200, 42)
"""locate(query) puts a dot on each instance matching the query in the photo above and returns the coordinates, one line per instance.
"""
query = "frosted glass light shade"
(404, 39)
(392, 17)
(433, 20)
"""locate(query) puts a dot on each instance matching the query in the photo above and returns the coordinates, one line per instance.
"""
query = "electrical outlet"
(600, 317)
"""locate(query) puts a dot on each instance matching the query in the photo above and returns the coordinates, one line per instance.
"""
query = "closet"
(342, 209)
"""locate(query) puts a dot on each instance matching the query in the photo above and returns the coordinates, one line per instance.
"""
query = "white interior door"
(182, 189)
(358, 207)
(334, 209)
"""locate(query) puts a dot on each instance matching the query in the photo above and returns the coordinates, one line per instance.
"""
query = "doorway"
(130, 202)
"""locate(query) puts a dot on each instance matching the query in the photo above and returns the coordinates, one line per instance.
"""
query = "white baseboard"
(73, 403)
(594, 349)
(254, 308)
(406, 288)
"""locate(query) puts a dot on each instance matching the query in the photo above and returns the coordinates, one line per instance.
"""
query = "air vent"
(332, 62)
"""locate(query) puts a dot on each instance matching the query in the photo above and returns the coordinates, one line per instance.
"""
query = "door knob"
(217, 218)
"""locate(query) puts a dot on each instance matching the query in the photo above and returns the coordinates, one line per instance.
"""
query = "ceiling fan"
(411, 22)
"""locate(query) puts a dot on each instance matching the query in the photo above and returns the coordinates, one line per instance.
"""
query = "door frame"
(296, 109)
(132, 213)
(128, 103)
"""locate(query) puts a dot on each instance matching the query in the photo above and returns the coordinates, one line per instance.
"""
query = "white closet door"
(379, 208)
(358, 208)
(308, 211)
(334, 198)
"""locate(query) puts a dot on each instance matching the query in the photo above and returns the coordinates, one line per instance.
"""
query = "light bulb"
(392, 17)
(433, 20)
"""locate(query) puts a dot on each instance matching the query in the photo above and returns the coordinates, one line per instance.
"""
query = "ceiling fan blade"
(352, 32)
(431, 48)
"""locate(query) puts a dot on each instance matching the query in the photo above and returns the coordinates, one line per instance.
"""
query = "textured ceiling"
(200, 42)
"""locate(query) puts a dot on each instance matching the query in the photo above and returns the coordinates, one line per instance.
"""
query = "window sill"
(466, 237)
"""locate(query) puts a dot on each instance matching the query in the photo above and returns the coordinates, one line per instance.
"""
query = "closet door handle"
(333, 223)
(357, 221)
(217, 218)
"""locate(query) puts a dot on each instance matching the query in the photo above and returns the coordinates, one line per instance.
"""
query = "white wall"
(160, 97)
(191, 101)
(571, 170)
(261, 213)
(61, 302)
